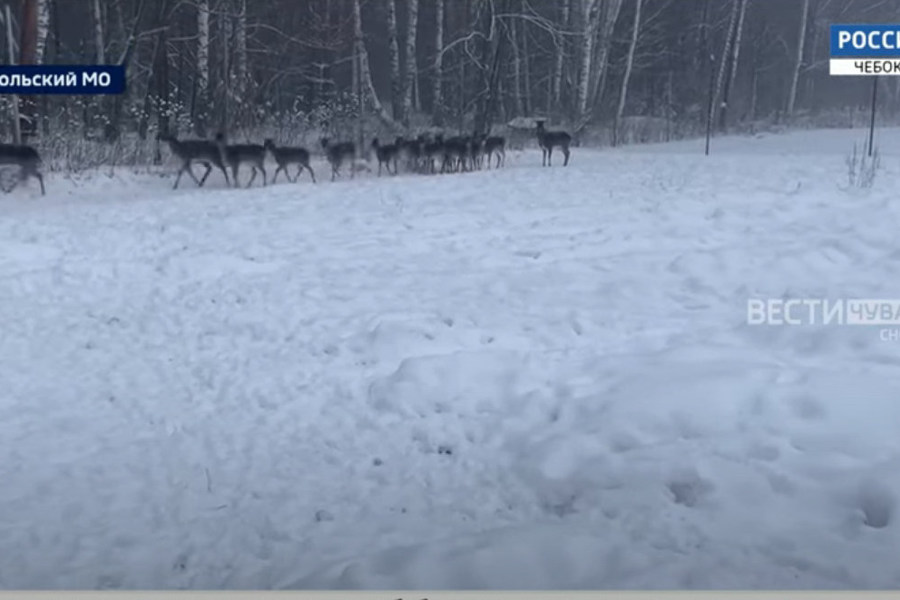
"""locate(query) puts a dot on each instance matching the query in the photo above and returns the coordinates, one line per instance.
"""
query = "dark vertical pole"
(872, 118)
(709, 107)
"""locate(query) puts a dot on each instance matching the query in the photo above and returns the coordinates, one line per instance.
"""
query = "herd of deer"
(420, 155)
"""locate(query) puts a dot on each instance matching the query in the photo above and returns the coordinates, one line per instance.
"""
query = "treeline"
(199, 65)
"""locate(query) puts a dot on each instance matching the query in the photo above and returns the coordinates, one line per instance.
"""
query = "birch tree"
(735, 57)
(365, 73)
(590, 26)
(599, 20)
(202, 94)
(409, 77)
(43, 30)
(99, 43)
(437, 82)
(394, 56)
(798, 60)
(241, 62)
(724, 57)
(560, 49)
(629, 65)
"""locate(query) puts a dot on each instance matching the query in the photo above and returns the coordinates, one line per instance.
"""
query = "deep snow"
(525, 378)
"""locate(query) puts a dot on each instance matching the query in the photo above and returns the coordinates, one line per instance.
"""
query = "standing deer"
(548, 140)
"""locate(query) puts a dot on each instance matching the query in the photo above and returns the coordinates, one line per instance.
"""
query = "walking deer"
(26, 158)
(235, 155)
(194, 151)
(287, 155)
(338, 154)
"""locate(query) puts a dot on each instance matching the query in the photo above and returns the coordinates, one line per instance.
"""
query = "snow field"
(526, 378)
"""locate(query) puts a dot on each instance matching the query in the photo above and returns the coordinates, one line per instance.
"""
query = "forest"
(610, 71)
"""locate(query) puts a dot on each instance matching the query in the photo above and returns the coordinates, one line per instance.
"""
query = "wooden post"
(872, 118)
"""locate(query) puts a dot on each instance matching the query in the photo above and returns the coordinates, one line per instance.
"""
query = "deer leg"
(205, 175)
(275, 175)
(262, 168)
(252, 176)
(311, 173)
(565, 150)
(178, 178)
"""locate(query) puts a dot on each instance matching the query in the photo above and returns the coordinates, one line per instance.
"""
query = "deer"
(495, 145)
(26, 158)
(548, 140)
(287, 155)
(411, 150)
(188, 152)
(386, 154)
(432, 151)
(338, 154)
(456, 150)
(234, 155)
(476, 150)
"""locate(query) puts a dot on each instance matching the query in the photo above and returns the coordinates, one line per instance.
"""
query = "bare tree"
(43, 29)
(242, 70)
(629, 65)
(99, 40)
(201, 105)
(394, 54)
(798, 60)
(599, 20)
(409, 76)
(437, 102)
(725, 57)
(560, 49)
(735, 56)
(365, 73)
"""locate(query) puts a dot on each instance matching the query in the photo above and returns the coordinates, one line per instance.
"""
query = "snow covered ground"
(528, 378)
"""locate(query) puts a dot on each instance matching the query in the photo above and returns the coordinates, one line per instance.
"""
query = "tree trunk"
(394, 55)
(11, 52)
(202, 104)
(412, 26)
(242, 71)
(516, 68)
(437, 101)
(526, 70)
(27, 56)
(556, 88)
(798, 60)
(225, 34)
(43, 30)
(99, 43)
(591, 16)
(365, 73)
(629, 65)
(724, 57)
(600, 20)
(607, 26)
(735, 57)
